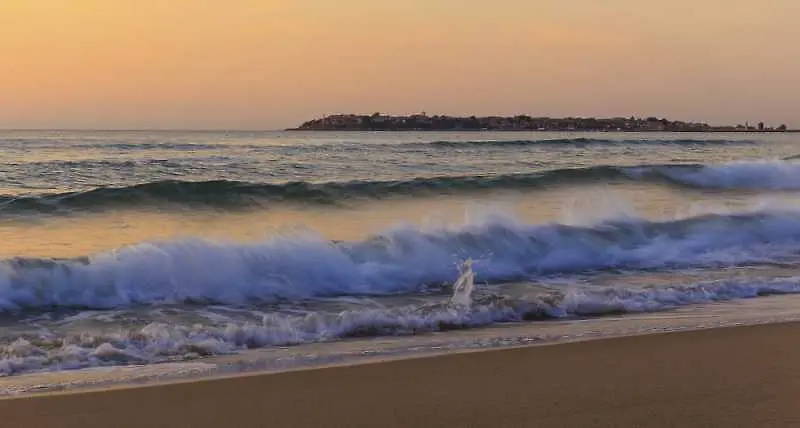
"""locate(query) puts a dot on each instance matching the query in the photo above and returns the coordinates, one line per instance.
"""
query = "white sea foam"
(158, 342)
(775, 175)
(401, 261)
(464, 286)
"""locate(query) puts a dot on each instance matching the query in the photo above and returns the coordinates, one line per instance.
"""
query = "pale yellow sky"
(266, 64)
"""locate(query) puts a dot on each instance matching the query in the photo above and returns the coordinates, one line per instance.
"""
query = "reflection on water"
(80, 235)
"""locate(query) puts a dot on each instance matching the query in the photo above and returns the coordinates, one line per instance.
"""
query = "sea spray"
(404, 261)
(160, 342)
(463, 287)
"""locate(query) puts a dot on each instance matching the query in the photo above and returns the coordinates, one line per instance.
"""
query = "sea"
(134, 256)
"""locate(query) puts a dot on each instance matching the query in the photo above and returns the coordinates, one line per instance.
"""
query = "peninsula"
(424, 122)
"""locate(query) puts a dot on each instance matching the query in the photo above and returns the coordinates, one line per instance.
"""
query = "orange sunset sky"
(267, 64)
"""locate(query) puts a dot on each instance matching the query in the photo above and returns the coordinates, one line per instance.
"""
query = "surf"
(405, 260)
(227, 194)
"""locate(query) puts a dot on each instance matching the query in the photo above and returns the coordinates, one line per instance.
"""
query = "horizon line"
(140, 130)
(295, 127)
(315, 131)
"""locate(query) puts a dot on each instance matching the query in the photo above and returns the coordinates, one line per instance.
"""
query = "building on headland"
(424, 122)
(655, 124)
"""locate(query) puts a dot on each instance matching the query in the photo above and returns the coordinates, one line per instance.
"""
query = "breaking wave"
(770, 175)
(754, 175)
(402, 261)
(295, 272)
(158, 342)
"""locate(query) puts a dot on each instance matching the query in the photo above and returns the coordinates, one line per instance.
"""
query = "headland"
(424, 122)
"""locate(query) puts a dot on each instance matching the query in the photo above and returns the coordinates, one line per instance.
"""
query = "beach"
(279, 279)
(734, 377)
(341, 214)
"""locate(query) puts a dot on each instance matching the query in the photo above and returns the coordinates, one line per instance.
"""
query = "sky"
(270, 64)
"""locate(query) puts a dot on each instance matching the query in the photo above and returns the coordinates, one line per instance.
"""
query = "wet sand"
(731, 377)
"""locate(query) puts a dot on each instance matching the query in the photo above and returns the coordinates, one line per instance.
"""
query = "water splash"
(463, 287)
(403, 261)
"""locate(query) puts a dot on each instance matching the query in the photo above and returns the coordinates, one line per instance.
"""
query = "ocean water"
(144, 248)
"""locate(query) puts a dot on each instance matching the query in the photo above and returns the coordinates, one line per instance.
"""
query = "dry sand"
(730, 377)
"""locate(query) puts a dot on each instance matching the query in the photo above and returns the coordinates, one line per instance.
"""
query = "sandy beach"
(732, 377)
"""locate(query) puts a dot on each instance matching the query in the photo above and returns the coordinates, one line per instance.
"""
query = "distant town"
(424, 122)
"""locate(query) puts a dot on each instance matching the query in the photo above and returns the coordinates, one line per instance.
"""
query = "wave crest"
(399, 262)
(773, 175)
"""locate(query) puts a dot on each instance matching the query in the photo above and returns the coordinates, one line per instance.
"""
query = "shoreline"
(523, 122)
(715, 376)
(354, 351)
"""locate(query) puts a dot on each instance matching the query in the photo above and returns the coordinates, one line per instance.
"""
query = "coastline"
(730, 376)
(443, 123)
(544, 131)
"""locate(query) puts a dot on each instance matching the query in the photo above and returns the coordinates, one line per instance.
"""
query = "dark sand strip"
(732, 377)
